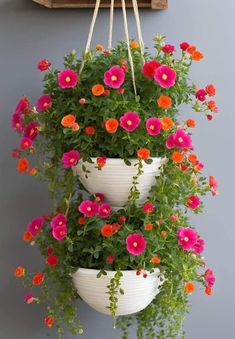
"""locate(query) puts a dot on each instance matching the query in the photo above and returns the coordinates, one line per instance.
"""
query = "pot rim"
(161, 160)
(92, 271)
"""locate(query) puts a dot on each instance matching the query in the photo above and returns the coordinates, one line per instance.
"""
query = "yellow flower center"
(60, 223)
(129, 122)
(113, 77)
(186, 239)
(135, 244)
(71, 160)
(67, 79)
(164, 77)
(180, 139)
(62, 232)
(88, 209)
(151, 127)
(36, 227)
(45, 104)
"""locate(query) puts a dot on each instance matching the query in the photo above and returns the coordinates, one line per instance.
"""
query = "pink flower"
(170, 141)
(17, 122)
(187, 238)
(35, 225)
(168, 48)
(184, 45)
(209, 277)
(198, 166)
(29, 298)
(135, 243)
(99, 198)
(88, 208)
(165, 76)
(59, 232)
(44, 103)
(104, 211)
(149, 68)
(23, 105)
(114, 77)
(213, 185)
(179, 139)
(31, 130)
(110, 259)
(59, 220)
(16, 153)
(43, 65)
(70, 158)
(25, 143)
(193, 202)
(174, 217)
(153, 126)
(148, 207)
(130, 121)
(198, 248)
(67, 78)
(201, 94)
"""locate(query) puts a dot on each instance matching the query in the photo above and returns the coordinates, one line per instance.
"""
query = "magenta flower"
(35, 226)
(31, 130)
(114, 77)
(198, 248)
(187, 238)
(193, 202)
(23, 105)
(135, 243)
(104, 211)
(44, 103)
(153, 126)
(59, 232)
(170, 141)
(25, 143)
(70, 158)
(213, 185)
(16, 153)
(29, 298)
(168, 48)
(148, 207)
(182, 139)
(99, 198)
(165, 76)
(130, 121)
(149, 68)
(17, 122)
(184, 45)
(59, 220)
(209, 277)
(88, 208)
(110, 259)
(67, 78)
(201, 94)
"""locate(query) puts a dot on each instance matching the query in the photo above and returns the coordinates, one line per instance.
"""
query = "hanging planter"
(115, 180)
(132, 228)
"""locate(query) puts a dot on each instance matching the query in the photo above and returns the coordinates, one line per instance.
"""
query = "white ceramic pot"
(114, 180)
(138, 291)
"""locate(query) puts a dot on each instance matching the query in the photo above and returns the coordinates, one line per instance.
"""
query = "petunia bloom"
(168, 48)
(135, 243)
(43, 65)
(198, 248)
(31, 130)
(38, 279)
(59, 220)
(59, 232)
(29, 298)
(88, 208)
(35, 226)
(44, 103)
(193, 202)
(149, 68)
(99, 198)
(211, 90)
(209, 277)
(104, 210)
(184, 45)
(67, 78)
(130, 121)
(213, 185)
(52, 260)
(201, 94)
(70, 158)
(153, 126)
(23, 105)
(49, 321)
(101, 161)
(17, 122)
(23, 165)
(25, 143)
(165, 76)
(16, 153)
(179, 139)
(148, 207)
(187, 238)
(107, 230)
(114, 77)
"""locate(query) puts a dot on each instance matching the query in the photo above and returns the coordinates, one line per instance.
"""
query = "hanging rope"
(137, 19)
(111, 24)
(128, 45)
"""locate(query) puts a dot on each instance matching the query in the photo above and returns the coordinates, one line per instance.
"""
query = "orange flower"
(189, 287)
(191, 123)
(33, 171)
(143, 153)
(49, 321)
(23, 165)
(148, 227)
(81, 221)
(99, 47)
(197, 56)
(191, 49)
(167, 123)
(164, 102)
(27, 236)
(155, 260)
(68, 120)
(208, 290)
(192, 158)
(134, 44)
(19, 272)
(89, 130)
(177, 157)
(107, 230)
(97, 90)
(111, 125)
(163, 233)
(38, 279)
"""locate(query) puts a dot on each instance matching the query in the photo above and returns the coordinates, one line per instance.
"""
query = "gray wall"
(29, 32)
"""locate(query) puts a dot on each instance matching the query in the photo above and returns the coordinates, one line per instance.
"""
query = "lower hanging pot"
(138, 291)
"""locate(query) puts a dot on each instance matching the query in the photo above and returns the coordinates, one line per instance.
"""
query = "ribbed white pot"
(114, 180)
(138, 291)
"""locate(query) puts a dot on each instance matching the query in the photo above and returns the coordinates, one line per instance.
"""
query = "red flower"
(149, 68)
(107, 230)
(38, 279)
(201, 95)
(168, 48)
(101, 161)
(184, 46)
(148, 207)
(43, 65)
(49, 321)
(52, 260)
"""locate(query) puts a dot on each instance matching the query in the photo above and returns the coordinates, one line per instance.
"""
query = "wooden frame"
(154, 4)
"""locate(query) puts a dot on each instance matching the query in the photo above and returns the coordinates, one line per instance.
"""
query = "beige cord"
(137, 19)
(111, 24)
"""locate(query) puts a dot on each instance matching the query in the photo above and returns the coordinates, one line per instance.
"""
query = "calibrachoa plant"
(89, 110)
